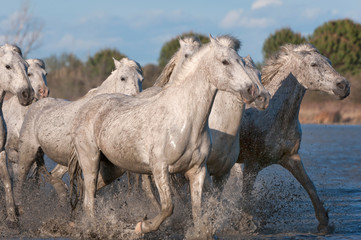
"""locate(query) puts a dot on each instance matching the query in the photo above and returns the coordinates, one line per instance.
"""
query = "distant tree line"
(339, 40)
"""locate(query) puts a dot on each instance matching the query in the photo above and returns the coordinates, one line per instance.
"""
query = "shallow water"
(331, 156)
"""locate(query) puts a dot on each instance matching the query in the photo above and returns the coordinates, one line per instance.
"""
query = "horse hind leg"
(161, 178)
(248, 223)
(9, 197)
(60, 187)
(295, 166)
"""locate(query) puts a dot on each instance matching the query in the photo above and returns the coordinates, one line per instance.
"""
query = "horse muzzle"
(25, 96)
(262, 101)
(342, 89)
(250, 94)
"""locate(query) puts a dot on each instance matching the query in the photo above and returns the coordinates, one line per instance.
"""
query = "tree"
(101, 65)
(66, 76)
(150, 74)
(172, 46)
(24, 30)
(340, 41)
(279, 38)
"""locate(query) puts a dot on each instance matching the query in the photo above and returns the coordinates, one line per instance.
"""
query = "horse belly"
(56, 144)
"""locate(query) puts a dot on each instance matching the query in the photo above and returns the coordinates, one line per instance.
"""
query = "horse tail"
(164, 77)
(76, 180)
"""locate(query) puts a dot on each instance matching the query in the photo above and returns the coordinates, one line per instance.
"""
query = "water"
(331, 156)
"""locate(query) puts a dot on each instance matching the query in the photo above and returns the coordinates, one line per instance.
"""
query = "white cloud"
(238, 18)
(311, 13)
(265, 3)
(68, 41)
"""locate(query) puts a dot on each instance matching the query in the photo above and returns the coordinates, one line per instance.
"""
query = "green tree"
(340, 41)
(101, 64)
(172, 46)
(279, 38)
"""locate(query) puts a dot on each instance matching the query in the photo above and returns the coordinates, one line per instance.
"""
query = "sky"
(139, 28)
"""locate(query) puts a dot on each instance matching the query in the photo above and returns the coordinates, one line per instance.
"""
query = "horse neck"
(108, 86)
(226, 114)
(177, 68)
(194, 94)
(287, 94)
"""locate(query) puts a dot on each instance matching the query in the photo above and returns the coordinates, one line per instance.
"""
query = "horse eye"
(313, 64)
(30, 74)
(8, 67)
(122, 78)
(225, 62)
(186, 55)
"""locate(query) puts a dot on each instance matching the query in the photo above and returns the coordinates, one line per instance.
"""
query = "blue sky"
(138, 29)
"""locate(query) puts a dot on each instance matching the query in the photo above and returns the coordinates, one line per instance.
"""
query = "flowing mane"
(164, 77)
(278, 60)
(230, 41)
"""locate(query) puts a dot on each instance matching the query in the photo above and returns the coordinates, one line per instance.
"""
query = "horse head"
(13, 70)
(37, 76)
(229, 70)
(315, 71)
(128, 77)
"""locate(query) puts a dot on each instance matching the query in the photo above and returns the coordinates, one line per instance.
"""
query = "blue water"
(332, 158)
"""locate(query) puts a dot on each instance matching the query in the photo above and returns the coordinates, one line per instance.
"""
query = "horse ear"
(181, 42)
(212, 39)
(117, 63)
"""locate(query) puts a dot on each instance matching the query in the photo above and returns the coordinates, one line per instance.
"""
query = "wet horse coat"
(47, 125)
(14, 79)
(14, 112)
(273, 136)
(160, 134)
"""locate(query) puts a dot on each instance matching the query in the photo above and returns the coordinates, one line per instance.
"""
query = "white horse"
(273, 136)
(47, 125)
(188, 45)
(225, 124)
(160, 134)
(14, 79)
(14, 112)
(225, 121)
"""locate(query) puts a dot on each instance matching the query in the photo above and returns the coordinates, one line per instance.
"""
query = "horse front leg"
(147, 188)
(196, 176)
(295, 166)
(9, 197)
(161, 178)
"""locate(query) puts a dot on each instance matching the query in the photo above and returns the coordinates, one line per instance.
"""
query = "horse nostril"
(25, 94)
(341, 85)
(252, 90)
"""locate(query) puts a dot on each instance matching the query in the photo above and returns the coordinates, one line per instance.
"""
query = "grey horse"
(274, 136)
(14, 79)
(47, 125)
(161, 134)
(14, 112)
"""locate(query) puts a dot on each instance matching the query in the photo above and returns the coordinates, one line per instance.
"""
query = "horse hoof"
(13, 224)
(138, 228)
(325, 229)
